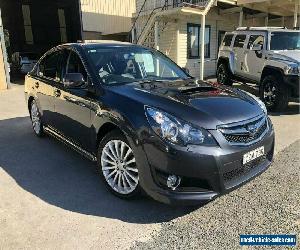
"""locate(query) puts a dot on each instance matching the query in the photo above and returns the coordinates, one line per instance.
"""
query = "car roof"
(100, 43)
(246, 30)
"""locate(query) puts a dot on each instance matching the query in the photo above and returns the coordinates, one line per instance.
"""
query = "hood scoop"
(196, 90)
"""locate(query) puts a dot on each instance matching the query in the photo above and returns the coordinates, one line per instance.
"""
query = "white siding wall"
(168, 41)
(107, 16)
(216, 23)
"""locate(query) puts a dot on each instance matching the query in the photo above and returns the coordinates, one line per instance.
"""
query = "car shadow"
(63, 178)
(292, 109)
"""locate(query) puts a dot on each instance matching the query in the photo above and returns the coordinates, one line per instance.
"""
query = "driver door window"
(254, 40)
(254, 60)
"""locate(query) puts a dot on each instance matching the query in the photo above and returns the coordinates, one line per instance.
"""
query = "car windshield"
(285, 41)
(121, 65)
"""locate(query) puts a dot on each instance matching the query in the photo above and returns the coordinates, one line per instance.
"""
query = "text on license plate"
(250, 156)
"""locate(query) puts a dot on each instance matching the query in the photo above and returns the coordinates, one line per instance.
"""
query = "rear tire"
(274, 94)
(224, 75)
(117, 166)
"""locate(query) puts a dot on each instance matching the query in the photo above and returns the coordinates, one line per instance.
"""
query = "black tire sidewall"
(282, 96)
(224, 68)
(115, 135)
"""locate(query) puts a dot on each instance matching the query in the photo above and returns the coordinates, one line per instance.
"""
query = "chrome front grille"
(246, 132)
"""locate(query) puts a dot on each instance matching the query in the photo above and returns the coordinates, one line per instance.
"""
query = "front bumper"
(206, 172)
(293, 82)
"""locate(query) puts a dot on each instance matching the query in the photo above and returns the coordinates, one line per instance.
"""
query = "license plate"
(252, 155)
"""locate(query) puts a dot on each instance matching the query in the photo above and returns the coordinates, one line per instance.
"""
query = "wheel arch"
(105, 129)
(270, 70)
(227, 61)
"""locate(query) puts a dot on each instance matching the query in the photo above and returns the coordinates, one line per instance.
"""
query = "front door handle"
(57, 93)
(37, 85)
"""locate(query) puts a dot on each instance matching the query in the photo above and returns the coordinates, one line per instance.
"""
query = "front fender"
(131, 124)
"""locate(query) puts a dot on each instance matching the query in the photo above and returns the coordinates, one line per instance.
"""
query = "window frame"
(59, 65)
(189, 56)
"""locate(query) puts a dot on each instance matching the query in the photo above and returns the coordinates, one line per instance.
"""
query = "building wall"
(3, 76)
(3, 83)
(107, 16)
(168, 40)
(173, 37)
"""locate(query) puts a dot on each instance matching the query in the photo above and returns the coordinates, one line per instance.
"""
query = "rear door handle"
(36, 85)
(57, 93)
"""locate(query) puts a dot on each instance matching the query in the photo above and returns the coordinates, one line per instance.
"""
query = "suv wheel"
(224, 75)
(274, 94)
(117, 165)
(36, 119)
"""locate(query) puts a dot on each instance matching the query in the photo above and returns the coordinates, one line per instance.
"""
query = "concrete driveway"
(51, 197)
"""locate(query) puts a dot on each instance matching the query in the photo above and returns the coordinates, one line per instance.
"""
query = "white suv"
(268, 56)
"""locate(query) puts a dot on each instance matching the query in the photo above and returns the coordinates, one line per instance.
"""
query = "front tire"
(224, 75)
(274, 94)
(117, 166)
(36, 119)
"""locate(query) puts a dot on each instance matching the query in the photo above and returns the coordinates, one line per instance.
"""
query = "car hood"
(287, 55)
(201, 103)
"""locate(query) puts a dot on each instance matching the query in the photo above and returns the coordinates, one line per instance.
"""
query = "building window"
(27, 24)
(62, 25)
(193, 37)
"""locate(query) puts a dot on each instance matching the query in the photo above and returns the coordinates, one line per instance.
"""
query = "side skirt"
(50, 131)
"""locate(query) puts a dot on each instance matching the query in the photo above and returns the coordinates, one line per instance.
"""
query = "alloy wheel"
(119, 167)
(36, 118)
(270, 94)
(222, 75)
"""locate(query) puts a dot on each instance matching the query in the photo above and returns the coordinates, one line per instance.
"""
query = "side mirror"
(186, 70)
(73, 80)
(256, 47)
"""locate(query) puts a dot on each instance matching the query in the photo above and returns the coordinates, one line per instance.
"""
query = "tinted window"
(254, 40)
(285, 40)
(50, 66)
(239, 41)
(75, 65)
(227, 40)
(194, 41)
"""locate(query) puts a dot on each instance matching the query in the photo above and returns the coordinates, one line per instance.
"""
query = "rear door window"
(227, 40)
(239, 41)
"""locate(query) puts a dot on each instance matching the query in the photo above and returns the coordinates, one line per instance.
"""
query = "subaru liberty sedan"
(149, 126)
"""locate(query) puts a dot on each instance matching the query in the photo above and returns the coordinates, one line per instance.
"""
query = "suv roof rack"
(260, 28)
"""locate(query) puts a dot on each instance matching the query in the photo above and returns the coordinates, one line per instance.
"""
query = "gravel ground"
(267, 205)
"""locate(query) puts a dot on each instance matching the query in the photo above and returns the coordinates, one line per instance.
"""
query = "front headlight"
(292, 69)
(177, 131)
